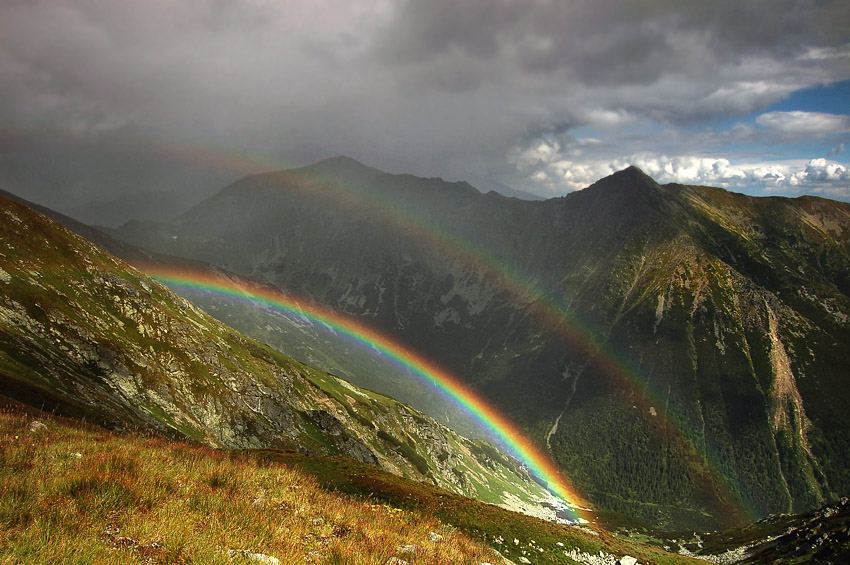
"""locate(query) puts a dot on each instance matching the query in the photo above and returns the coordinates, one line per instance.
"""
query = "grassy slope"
(76, 493)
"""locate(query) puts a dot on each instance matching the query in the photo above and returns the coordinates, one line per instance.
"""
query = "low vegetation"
(75, 493)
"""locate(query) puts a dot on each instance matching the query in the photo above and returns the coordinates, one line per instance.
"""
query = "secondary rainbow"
(446, 384)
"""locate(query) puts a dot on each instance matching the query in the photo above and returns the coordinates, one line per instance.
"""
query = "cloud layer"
(469, 88)
(786, 177)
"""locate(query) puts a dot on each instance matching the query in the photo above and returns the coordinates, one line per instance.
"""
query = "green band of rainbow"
(446, 384)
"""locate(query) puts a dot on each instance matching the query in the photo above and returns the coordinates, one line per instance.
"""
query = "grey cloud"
(607, 41)
(432, 87)
(805, 124)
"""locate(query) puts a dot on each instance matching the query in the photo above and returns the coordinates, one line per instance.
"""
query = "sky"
(111, 109)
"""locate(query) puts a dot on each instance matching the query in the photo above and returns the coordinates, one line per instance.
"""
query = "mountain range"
(677, 349)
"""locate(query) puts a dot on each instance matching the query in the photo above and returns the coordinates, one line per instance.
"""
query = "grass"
(75, 493)
(511, 533)
(72, 493)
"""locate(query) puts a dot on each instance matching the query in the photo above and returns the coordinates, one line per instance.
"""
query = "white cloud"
(821, 170)
(537, 155)
(605, 118)
(562, 174)
(804, 124)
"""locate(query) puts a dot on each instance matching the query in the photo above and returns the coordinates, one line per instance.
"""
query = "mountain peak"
(341, 164)
(633, 173)
(627, 184)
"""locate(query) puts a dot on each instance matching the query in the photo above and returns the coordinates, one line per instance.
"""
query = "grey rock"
(35, 426)
(258, 557)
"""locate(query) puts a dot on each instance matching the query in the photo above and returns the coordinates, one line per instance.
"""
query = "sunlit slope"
(677, 347)
(104, 497)
(85, 334)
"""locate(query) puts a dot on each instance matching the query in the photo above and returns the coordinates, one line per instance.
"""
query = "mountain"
(820, 536)
(302, 339)
(484, 184)
(84, 334)
(676, 348)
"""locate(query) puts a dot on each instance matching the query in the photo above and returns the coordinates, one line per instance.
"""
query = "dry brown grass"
(76, 494)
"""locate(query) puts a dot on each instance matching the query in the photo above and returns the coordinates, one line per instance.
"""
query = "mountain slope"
(820, 536)
(85, 334)
(104, 497)
(101, 497)
(676, 347)
(304, 340)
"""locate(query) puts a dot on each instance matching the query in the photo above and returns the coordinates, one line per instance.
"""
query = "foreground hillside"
(86, 335)
(678, 348)
(76, 493)
(73, 494)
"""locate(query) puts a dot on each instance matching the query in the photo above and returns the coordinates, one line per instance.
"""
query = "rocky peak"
(628, 182)
(341, 165)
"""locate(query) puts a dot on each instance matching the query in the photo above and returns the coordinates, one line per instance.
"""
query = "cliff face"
(85, 334)
(678, 348)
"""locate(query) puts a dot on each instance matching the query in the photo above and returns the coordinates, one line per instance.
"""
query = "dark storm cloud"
(609, 41)
(450, 87)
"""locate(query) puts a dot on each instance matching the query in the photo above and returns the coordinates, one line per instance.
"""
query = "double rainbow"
(541, 304)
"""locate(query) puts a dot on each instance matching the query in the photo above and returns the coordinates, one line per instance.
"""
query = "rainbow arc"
(449, 386)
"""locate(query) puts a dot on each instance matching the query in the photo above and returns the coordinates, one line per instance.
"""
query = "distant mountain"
(678, 348)
(490, 185)
(86, 335)
(505, 190)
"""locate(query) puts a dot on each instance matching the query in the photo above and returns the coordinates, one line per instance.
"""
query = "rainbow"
(511, 438)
